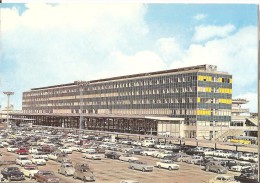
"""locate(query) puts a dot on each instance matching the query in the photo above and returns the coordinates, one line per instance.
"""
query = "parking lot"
(113, 170)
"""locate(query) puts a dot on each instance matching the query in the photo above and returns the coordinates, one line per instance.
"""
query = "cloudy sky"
(49, 44)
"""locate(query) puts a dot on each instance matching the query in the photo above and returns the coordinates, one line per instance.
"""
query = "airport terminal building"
(199, 96)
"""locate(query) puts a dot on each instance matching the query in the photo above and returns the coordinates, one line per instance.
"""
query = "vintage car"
(66, 150)
(66, 169)
(170, 165)
(92, 155)
(42, 155)
(54, 155)
(29, 170)
(46, 176)
(12, 148)
(12, 173)
(22, 151)
(223, 179)
(215, 166)
(83, 172)
(112, 155)
(38, 160)
(23, 160)
(63, 159)
(129, 181)
(181, 157)
(193, 159)
(247, 178)
(139, 165)
(128, 157)
(240, 167)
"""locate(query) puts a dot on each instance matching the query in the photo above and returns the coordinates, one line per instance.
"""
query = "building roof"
(204, 67)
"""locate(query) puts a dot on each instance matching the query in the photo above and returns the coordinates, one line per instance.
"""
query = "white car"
(160, 146)
(29, 170)
(92, 155)
(170, 165)
(208, 152)
(23, 160)
(162, 154)
(246, 156)
(41, 155)
(37, 160)
(149, 152)
(33, 150)
(128, 157)
(239, 168)
(254, 159)
(66, 150)
(88, 150)
(12, 149)
(53, 156)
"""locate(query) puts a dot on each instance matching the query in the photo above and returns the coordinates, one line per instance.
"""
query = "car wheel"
(143, 170)
(74, 177)
(159, 166)
(146, 154)
(92, 158)
(66, 174)
(207, 169)
(9, 179)
(170, 168)
(218, 171)
(30, 176)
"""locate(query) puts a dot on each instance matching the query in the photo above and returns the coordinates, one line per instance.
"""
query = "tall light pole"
(81, 85)
(8, 105)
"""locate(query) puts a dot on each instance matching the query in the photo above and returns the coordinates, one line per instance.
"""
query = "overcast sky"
(49, 44)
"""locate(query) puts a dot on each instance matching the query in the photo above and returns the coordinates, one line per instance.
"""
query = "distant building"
(201, 95)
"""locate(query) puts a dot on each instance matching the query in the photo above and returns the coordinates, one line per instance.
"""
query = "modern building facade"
(201, 95)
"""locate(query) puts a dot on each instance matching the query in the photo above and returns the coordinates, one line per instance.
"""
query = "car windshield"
(13, 169)
(47, 173)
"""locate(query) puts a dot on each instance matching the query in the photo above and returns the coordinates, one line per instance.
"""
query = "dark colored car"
(228, 163)
(12, 173)
(46, 176)
(112, 155)
(247, 178)
(193, 151)
(136, 150)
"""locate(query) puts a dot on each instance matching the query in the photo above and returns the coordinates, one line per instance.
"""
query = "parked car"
(112, 155)
(215, 166)
(223, 179)
(193, 159)
(128, 157)
(12, 148)
(246, 156)
(83, 172)
(180, 157)
(12, 173)
(170, 165)
(22, 151)
(66, 169)
(240, 167)
(29, 170)
(23, 160)
(92, 155)
(139, 165)
(66, 150)
(46, 176)
(247, 178)
(228, 163)
(129, 181)
(38, 160)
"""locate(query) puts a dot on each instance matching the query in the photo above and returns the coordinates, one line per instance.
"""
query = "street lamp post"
(8, 106)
